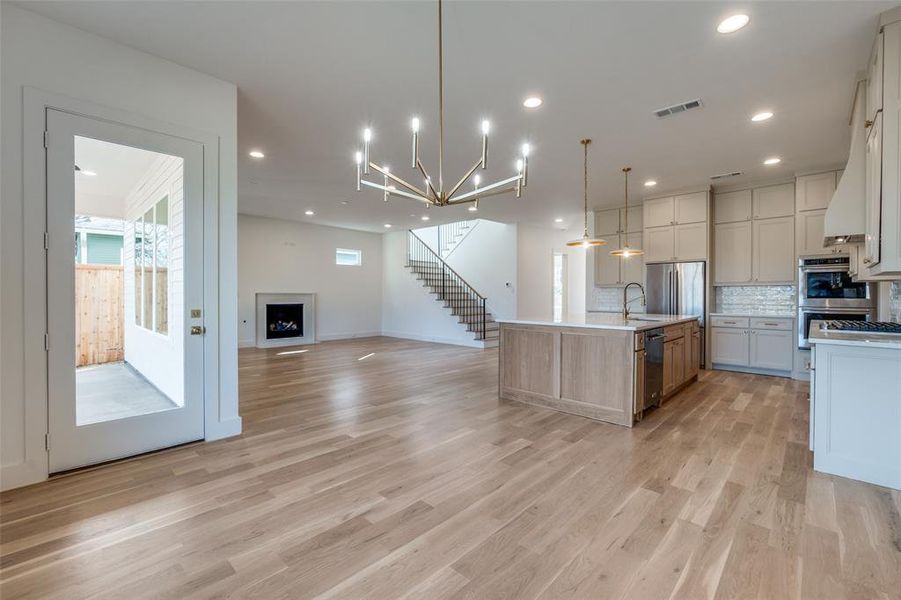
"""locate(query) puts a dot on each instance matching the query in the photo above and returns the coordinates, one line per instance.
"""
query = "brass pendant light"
(624, 250)
(585, 241)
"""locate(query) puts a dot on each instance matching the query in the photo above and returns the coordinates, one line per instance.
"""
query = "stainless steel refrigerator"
(678, 289)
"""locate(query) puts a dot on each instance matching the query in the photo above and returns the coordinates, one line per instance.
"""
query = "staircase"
(463, 301)
(451, 234)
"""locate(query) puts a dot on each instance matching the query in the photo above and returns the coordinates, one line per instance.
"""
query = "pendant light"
(624, 250)
(585, 241)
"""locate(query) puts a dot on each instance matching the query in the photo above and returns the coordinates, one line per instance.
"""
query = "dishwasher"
(653, 367)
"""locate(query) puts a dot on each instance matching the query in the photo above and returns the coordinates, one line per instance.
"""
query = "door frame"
(35, 103)
(565, 261)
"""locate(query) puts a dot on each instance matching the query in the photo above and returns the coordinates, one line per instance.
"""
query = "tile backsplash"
(755, 299)
(894, 295)
(610, 299)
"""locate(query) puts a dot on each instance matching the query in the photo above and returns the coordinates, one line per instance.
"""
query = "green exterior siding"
(104, 249)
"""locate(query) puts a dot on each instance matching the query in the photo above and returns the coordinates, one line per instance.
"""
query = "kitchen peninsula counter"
(593, 364)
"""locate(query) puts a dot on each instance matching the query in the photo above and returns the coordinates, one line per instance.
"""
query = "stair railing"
(463, 299)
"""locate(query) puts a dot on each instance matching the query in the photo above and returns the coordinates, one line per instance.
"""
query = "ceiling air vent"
(677, 108)
(726, 175)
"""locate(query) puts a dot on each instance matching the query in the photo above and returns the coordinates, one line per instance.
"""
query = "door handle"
(198, 329)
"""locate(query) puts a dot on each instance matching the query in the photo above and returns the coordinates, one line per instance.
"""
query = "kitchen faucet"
(627, 302)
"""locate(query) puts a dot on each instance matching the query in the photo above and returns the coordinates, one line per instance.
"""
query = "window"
(151, 265)
(348, 258)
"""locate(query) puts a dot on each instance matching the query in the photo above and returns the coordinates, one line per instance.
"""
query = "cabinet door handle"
(771, 324)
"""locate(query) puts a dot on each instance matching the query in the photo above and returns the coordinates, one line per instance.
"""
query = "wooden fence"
(99, 314)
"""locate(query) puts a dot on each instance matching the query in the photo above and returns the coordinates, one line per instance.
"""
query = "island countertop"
(595, 320)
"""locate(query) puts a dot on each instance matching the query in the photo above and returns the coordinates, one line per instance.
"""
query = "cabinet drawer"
(673, 332)
(771, 323)
(741, 322)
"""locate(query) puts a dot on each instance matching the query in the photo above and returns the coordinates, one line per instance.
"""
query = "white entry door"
(125, 290)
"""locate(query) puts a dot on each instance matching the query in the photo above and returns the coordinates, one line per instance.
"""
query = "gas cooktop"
(876, 327)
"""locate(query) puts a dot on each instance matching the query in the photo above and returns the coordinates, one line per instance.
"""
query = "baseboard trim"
(21, 474)
(435, 339)
(770, 372)
(329, 337)
(222, 429)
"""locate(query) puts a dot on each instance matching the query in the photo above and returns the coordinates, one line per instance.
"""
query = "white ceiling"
(118, 169)
(310, 75)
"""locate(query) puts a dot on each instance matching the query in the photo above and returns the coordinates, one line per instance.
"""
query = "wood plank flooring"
(400, 475)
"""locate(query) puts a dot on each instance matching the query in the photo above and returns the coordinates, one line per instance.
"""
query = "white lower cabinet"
(771, 349)
(761, 343)
(856, 419)
(730, 346)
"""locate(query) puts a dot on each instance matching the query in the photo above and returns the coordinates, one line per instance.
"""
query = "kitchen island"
(594, 364)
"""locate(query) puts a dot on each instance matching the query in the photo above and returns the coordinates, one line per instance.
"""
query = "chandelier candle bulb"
(367, 137)
(525, 165)
(414, 124)
(486, 126)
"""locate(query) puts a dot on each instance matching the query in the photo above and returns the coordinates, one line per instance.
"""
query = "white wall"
(89, 71)
(276, 255)
(535, 271)
(486, 258)
(158, 357)
(408, 309)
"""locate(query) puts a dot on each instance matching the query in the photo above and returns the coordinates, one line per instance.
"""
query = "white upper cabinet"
(732, 244)
(774, 201)
(884, 233)
(606, 222)
(774, 256)
(690, 208)
(659, 243)
(632, 268)
(809, 234)
(659, 212)
(730, 207)
(873, 193)
(813, 192)
(874, 80)
(635, 220)
(606, 266)
(690, 242)
(613, 220)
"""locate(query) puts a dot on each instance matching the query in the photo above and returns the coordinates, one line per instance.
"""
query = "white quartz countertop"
(772, 315)
(853, 338)
(597, 320)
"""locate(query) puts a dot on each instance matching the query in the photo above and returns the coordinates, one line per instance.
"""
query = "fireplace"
(284, 321)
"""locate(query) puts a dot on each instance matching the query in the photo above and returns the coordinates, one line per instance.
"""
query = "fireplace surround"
(285, 319)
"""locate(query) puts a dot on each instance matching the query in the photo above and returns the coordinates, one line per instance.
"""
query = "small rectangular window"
(348, 258)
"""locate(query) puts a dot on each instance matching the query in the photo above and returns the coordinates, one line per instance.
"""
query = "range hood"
(845, 221)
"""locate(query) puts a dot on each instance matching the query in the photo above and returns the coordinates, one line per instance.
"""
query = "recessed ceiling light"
(387, 225)
(650, 183)
(772, 161)
(424, 218)
(762, 116)
(256, 154)
(733, 23)
(532, 102)
(309, 213)
(558, 220)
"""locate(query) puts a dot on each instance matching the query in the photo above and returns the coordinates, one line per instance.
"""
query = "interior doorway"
(125, 373)
(560, 285)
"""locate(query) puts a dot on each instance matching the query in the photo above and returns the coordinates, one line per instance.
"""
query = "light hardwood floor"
(402, 476)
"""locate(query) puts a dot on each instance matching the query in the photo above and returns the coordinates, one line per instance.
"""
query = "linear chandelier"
(432, 194)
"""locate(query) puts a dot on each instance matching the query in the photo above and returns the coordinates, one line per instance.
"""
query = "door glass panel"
(129, 318)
